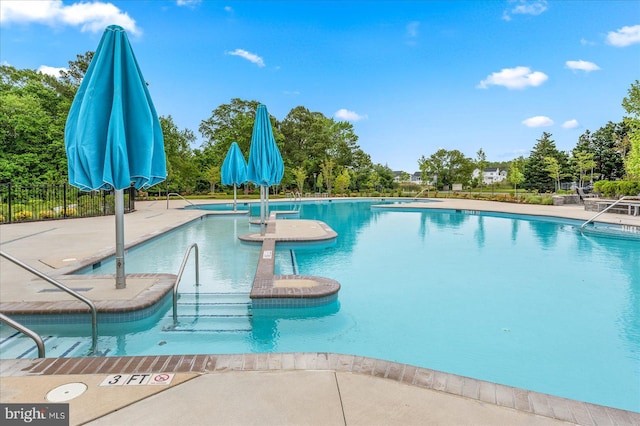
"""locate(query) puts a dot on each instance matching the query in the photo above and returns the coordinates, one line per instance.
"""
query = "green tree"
(229, 123)
(481, 164)
(631, 105)
(515, 175)
(213, 176)
(300, 176)
(33, 113)
(607, 144)
(320, 182)
(385, 176)
(536, 176)
(327, 167)
(446, 168)
(182, 170)
(584, 164)
(311, 138)
(72, 77)
(552, 167)
(343, 180)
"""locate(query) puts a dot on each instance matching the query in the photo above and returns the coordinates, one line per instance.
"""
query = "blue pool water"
(505, 298)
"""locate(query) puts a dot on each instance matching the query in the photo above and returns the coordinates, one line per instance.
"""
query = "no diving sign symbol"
(138, 379)
(161, 379)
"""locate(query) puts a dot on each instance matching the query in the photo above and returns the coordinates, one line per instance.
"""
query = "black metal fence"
(47, 202)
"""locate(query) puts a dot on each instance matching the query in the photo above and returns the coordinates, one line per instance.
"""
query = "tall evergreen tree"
(536, 177)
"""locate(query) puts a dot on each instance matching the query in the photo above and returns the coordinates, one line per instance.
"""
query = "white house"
(491, 175)
(414, 178)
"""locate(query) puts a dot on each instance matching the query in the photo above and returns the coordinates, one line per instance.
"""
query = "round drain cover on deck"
(66, 392)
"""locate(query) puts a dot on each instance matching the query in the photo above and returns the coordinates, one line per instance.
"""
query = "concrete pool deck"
(315, 388)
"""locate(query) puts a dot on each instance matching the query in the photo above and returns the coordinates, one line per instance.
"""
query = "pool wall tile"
(394, 371)
(504, 396)
(322, 361)
(471, 388)
(274, 361)
(439, 381)
(249, 362)
(619, 417)
(599, 415)
(380, 368)
(454, 384)
(408, 375)
(540, 404)
(580, 413)
(521, 399)
(487, 392)
(288, 362)
(421, 377)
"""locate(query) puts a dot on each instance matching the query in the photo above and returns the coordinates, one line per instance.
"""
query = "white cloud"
(92, 17)
(412, 29)
(251, 57)
(55, 72)
(346, 115)
(188, 3)
(582, 65)
(570, 124)
(625, 36)
(525, 7)
(228, 9)
(538, 121)
(514, 78)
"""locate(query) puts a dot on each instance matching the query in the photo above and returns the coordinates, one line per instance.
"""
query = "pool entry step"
(211, 313)
(17, 345)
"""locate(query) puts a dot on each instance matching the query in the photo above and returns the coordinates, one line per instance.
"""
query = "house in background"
(490, 175)
(402, 176)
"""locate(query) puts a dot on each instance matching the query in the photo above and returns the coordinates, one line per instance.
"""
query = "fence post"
(64, 199)
(10, 207)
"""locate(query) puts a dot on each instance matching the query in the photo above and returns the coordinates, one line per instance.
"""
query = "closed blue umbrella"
(265, 166)
(113, 136)
(234, 169)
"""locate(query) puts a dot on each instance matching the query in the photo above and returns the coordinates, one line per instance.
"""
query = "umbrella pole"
(263, 225)
(119, 204)
(234, 197)
(266, 202)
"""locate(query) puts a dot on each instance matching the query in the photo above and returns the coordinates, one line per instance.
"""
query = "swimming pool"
(510, 299)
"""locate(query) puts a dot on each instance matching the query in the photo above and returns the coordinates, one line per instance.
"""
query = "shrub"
(620, 188)
(23, 215)
(46, 214)
(71, 211)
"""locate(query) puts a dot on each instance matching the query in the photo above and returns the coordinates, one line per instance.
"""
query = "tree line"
(319, 152)
(610, 153)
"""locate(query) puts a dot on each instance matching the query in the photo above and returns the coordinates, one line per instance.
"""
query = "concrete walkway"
(264, 389)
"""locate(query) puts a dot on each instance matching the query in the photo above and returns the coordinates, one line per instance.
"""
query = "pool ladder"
(28, 332)
(175, 193)
(627, 197)
(193, 246)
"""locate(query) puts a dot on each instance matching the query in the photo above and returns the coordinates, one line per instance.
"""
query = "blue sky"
(412, 77)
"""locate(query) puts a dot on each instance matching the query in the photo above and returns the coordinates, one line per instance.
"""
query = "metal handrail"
(420, 193)
(626, 197)
(175, 193)
(92, 307)
(182, 266)
(26, 331)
